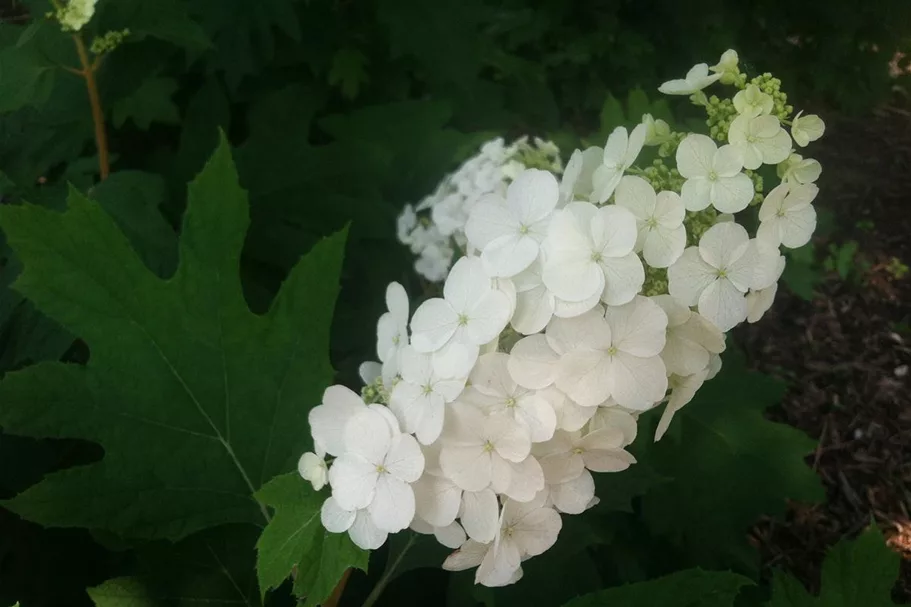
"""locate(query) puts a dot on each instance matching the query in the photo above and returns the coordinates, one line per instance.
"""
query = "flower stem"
(384, 580)
(101, 138)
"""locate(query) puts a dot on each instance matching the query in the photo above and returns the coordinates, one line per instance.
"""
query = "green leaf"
(637, 104)
(855, 572)
(133, 199)
(729, 465)
(296, 537)
(347, 71)
(25, 79)
(196, 401)
(612, 115)
(166, 20)
(214, 567)
(689, 588)
(151, 102)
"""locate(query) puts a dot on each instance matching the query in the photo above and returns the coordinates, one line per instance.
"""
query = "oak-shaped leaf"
(196, 401)
(688, 588)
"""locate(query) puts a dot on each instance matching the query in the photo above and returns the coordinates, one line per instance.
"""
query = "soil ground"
(846, 354)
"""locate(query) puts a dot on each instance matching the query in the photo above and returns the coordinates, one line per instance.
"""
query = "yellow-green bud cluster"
(771, 86)
(758, 186)
(540, 155)
(663, 178)
(655, 282)
(667, 148)
(721, 112)
(375, 392)
(697, 223)
(739, 80)
(109, 41)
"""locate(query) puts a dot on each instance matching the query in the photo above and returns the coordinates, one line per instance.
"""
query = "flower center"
(612, 350)
(779, 213)
(597, 257)
(751, 138)
(651, 222)
(524, 229)
(713, 176)
(721, 273)
(427, 389)
(381, 469)
(511, 402)
(463, 320)
(578, 451)
(508, 531)
(396, 340)
(488, 447)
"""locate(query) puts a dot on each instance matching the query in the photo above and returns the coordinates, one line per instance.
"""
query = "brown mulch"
(846, 355)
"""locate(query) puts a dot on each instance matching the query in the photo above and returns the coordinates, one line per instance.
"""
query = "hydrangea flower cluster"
(75, 14)
(435, 228)
(579, 303)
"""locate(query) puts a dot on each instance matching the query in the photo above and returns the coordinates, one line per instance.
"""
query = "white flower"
(328, 420)
(579, 173)
(696, 79)
(798, 169)
(691, 339)
(568, 454)
(471, 310)
(589, 251)
(727, 66)
(717, 274)
(753, 102)
(419, 399)
(786, 215)
(759, 139)
(526, 530)
(683, 389)
(476, 448)
(439, 501)
(493, 390)
(313, 468)
(760, 300)
(659, 219)
(712, 175)
(75, 14)
(574, 496)
(657, 131)
(618, 356)
(508, 232)
(392, 330)
(405, 223)
(807, 128)
(433, 264)
(358, 523)
(620, 153)
(375, 471)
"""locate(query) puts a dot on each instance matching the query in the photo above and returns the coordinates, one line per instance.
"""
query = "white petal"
(637, 195)
(454, 360)
(696, 193)
(451, 536)
(537, 531)
(536, 413)
(732, 194)
(638, 327)
(334, 518)
(614, 231)
(469, 467)
(638, 383)
(489, 219)
(585, 377)
(368, 435)
(466, 284)
(727, 161)
(369, 371)
(526, 480)
(405, 461)
(588, 330)
(759, 302)
(328, 420)
(636, 141)
(664, 246)
(571, 309)
(682, 356)
(437, 500)
(689, 276)
(573, 497)
(570, 416)
(488, 316)
(562, 467)
(469, 555)
(723, 244)
(695, 156)
(775, 149)
(623, 278)
(365, 534)
(433, 324)
(480, 515)
(397, 303)
(604, 181)
(509, 254)
(534, 309)
(797, 227)
(614, 419)
(500, 565)
(491, 375)
(415, 367)
(392, 509)
(723, 304)
(532, 195)
(532, 362)
(669, 209)
(510, 440)
(608, 460)
(353, 481)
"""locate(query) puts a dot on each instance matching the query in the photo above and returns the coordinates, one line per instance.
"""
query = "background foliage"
(339, 112)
